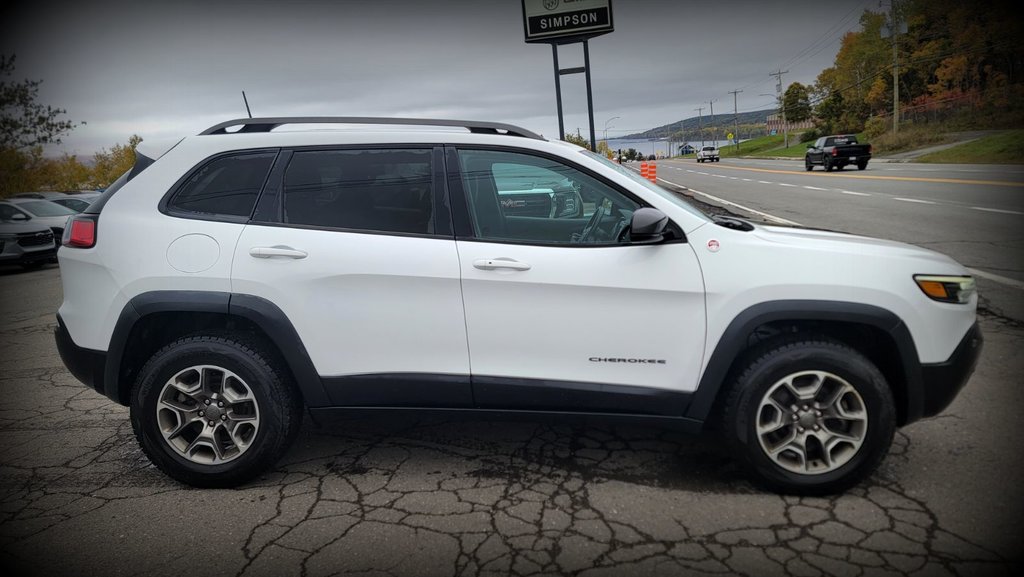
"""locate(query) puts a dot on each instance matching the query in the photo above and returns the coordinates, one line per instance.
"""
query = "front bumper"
(86, 365)
(942, 381)
(28, 257)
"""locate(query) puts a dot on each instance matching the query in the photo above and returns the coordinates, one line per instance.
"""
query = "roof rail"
(268, 124)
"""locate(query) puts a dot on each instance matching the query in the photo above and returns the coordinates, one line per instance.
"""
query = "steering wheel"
(588, 230)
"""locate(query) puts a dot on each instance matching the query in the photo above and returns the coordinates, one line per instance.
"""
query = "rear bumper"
(86, 365)
(943, 381)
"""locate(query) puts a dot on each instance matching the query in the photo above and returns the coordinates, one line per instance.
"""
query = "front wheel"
(810, 416)
(213, 411)
(807, 164)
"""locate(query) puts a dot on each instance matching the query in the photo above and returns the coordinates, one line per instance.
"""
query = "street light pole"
(606, 128)
(700, 124)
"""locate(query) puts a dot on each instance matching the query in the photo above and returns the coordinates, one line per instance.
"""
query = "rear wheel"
(214, 411)
(810, 416)
(827, 161)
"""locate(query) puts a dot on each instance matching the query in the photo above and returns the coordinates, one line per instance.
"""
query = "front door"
(562, 312)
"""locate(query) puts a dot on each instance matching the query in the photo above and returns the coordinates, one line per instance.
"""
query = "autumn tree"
(108, 165)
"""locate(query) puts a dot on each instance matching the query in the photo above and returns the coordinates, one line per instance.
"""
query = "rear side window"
(225, 186)
(373, 190)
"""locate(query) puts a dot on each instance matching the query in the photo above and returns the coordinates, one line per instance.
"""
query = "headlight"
(946, 289)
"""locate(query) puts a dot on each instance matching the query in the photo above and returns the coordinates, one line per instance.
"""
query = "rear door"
(355, 246)
(562, 312)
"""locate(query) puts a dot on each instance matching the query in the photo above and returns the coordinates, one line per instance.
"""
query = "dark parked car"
(836, 152)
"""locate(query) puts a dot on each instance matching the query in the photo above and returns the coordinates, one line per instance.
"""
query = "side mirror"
(811, 145)
(647, 226)
(19, 216)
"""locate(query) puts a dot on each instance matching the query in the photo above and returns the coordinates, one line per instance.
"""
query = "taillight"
(80, 231)
(835, 151)
(870, 148)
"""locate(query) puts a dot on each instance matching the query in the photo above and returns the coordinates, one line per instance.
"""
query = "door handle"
(272, 251)
(500, 262)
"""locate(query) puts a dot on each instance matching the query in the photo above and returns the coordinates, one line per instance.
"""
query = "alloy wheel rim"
(207, 414)
(811, 422)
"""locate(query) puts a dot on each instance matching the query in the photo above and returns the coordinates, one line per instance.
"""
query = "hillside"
(691, 124)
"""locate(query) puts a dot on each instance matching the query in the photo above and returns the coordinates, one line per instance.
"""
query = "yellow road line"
(872, 177)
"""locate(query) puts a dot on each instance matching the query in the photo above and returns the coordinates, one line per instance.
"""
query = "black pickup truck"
(836, 152)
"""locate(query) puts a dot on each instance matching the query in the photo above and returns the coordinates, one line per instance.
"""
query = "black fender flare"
(261, 312)
(734, 341)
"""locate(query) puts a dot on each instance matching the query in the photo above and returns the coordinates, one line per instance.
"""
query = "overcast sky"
(169, 69)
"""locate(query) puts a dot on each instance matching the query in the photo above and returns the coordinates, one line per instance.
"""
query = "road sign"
(563, 21)
(729, 136)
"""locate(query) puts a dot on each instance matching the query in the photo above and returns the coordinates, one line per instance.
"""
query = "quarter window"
(521, 197)
(225, 186)
(373, 190)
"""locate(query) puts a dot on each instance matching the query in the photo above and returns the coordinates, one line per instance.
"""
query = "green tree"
(797, 100)
(578, 140)
(24, 122)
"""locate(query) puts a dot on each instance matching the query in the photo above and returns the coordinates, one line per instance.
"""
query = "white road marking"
(733, 178)
(854, 193)
(997, 278)
(814, 188)
(784, 184)
(917, 200)
(999, 210)
(718, 175)
(765, 182)
(747, 180)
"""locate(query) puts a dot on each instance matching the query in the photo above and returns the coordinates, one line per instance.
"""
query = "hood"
(843, 243)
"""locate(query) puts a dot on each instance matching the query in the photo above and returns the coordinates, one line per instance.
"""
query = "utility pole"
(782, 103)
(736, 118)
(700, 125)
(713, 137)
(895, 68)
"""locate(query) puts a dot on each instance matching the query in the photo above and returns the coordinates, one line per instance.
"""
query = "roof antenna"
(246, 104)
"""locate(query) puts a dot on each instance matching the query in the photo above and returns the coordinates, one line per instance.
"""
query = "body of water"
(659, 147)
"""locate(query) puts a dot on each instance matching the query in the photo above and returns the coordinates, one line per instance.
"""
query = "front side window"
(525, 198)
(373, 190)
(225, 186)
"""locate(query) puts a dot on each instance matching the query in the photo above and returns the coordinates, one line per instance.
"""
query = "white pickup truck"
(707, 153)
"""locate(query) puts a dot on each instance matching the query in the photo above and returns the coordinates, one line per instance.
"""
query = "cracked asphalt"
(422, 497)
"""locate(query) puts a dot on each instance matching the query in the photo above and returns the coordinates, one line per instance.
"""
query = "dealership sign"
(566, 20)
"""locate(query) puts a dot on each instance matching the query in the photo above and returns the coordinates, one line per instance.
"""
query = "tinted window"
(225, 186)
(378, 190)
(520, 197)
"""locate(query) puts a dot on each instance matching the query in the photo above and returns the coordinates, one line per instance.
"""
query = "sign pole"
(558, 91)
(590, 95)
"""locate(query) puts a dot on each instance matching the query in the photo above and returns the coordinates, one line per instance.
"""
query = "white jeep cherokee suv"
(248, 274)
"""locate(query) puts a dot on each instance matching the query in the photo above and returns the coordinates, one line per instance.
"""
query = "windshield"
(666, 194)
(45, 208)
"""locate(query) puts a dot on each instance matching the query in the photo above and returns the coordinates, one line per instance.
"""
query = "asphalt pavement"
(420, 497)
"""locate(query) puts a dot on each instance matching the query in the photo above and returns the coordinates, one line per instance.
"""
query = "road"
(419, 497)
(974, 213)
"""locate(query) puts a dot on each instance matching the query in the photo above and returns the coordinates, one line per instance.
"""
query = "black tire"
(771, 364)
(827, 162)
(862, 165)
(807, 164)
(280, 407)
